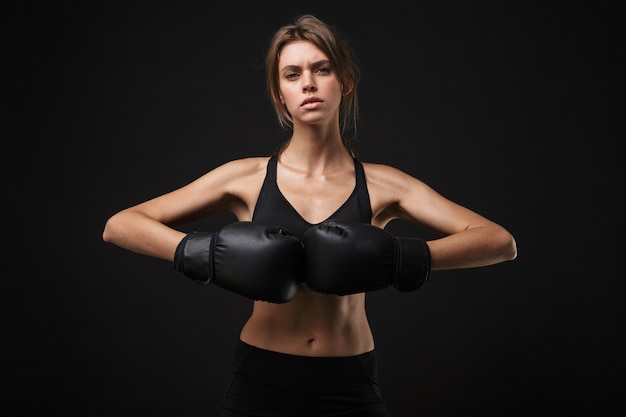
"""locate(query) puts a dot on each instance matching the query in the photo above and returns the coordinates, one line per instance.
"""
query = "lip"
(311, 101)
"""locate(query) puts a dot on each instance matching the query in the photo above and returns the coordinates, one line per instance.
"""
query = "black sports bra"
(272, 208)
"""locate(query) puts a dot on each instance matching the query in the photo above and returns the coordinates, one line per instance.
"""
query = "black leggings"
(264, 383)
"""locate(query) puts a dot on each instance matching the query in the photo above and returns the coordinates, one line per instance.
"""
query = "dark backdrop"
(508, 108)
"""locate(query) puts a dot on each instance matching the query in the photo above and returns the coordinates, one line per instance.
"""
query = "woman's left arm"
(468, 239)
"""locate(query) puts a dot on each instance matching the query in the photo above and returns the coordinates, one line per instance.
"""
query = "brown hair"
(342, 59)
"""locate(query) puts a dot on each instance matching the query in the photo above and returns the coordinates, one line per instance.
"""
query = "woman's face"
(308, 84)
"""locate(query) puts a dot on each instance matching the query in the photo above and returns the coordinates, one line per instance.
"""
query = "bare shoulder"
(391, 192)
(243, 167)
(388, 177)
(234, 180)
(232, 173)
(240, 181)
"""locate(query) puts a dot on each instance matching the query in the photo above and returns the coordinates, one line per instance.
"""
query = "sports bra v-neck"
(273, 208)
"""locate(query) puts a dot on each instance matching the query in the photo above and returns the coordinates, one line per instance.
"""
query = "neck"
(315, 149)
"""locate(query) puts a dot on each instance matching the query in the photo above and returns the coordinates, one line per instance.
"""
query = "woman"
(309, 241)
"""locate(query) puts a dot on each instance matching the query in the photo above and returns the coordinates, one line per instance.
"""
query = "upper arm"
(397, 195)
(468, 239)
(229, 187)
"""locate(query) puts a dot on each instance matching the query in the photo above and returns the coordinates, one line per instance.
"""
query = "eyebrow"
(316, 64)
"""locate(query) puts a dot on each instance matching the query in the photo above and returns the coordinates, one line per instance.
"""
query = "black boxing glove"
(257, 261)
(346, 258)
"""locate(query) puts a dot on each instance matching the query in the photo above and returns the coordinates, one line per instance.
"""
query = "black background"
(509, 108)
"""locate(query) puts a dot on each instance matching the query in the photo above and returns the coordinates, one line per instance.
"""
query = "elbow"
(511, 253)
(108, 234)
(508, 247)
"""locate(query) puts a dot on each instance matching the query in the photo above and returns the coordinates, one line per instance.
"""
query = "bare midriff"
(311, 324)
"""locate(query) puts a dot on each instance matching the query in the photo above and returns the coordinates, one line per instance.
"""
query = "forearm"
(475, 247)
(141, 234)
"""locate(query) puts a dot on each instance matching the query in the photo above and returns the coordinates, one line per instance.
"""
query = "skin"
(316, 175)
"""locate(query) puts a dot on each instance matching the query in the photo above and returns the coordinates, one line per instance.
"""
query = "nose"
(309, 84)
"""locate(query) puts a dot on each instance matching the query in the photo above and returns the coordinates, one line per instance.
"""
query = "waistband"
(284, 367)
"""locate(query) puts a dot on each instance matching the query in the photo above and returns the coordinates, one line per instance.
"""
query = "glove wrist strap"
(194, 256)
(413, 264)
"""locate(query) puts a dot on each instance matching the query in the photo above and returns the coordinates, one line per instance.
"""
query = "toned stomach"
(311, 324)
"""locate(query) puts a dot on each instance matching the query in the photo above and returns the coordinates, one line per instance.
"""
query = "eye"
(323, 70)
(291, 75)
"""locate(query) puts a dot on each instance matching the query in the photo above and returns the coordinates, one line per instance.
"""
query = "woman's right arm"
(148, 228)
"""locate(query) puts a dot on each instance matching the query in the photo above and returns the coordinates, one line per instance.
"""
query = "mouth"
(311, 100)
